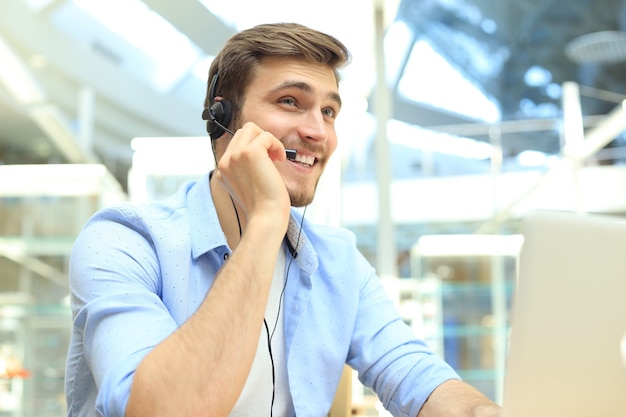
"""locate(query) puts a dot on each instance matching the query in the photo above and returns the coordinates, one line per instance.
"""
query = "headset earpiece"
(220, 113)
(218, 116)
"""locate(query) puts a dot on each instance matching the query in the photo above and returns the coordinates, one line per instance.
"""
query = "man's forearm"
(454, 398)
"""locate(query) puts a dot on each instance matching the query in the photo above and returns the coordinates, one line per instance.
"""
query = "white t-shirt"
(256, 398)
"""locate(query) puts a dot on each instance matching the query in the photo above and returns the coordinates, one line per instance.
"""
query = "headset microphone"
(219, 114)
(291, 154)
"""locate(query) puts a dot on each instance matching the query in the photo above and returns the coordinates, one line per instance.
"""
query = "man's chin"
(301, 197)
(300, 200)
(303, 194)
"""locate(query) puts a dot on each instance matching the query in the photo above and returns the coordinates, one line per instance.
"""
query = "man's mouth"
(306, 160)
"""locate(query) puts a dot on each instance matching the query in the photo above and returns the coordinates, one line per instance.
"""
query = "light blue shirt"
(138, 272)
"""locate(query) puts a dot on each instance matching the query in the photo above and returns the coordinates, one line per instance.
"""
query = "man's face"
(297, 102)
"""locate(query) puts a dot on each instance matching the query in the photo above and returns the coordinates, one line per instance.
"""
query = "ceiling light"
(605, 47)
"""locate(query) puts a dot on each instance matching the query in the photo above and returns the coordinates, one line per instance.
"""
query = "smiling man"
(224, 300)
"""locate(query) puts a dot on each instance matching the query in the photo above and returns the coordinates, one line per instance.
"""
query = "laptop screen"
(568, 325)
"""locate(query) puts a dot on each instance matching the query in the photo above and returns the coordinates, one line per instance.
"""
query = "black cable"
(269, 349)
(282, 293)
(237, 215)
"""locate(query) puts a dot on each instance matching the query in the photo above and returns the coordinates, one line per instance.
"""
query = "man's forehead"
(281, 73)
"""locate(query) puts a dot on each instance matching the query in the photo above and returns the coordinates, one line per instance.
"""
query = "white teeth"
(305, 159)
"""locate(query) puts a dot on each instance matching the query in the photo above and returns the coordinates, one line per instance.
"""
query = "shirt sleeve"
(115, 287)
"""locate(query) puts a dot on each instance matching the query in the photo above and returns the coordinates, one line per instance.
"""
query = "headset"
(219, 115)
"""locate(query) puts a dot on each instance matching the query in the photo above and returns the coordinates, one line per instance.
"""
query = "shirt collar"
(299, 243)
(206, 231)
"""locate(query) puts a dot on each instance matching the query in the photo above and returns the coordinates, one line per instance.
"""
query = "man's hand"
(247, 172)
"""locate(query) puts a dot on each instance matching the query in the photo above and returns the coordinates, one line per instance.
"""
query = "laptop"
(567, 345)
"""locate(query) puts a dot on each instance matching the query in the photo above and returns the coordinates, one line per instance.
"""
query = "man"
(223, 300)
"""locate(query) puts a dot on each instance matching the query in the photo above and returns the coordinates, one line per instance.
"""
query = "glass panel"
(466, 297)
(41, 214)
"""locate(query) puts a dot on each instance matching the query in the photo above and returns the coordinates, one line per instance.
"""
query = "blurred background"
(459, 116)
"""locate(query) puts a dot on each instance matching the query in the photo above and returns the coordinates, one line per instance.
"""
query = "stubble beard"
(302, 197)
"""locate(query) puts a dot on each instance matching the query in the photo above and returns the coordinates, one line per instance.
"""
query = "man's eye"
(328, 112)
(289, 101)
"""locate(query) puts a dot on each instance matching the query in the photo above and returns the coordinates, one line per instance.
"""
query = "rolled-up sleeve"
(341, 293)
(117, 309)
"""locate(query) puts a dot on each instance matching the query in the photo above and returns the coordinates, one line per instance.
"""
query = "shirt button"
(226, 255)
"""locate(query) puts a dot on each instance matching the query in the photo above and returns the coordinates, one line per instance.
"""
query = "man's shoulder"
(152, 215)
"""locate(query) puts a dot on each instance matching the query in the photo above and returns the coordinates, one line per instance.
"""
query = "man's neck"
(230, 216)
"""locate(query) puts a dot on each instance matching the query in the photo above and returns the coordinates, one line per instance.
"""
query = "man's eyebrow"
(306, 88)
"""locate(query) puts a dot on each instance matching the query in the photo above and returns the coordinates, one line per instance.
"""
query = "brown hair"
(240, 57)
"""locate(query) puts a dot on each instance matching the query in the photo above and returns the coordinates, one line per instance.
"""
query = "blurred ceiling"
(456, 68)
(97, 88)
(519, 54)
